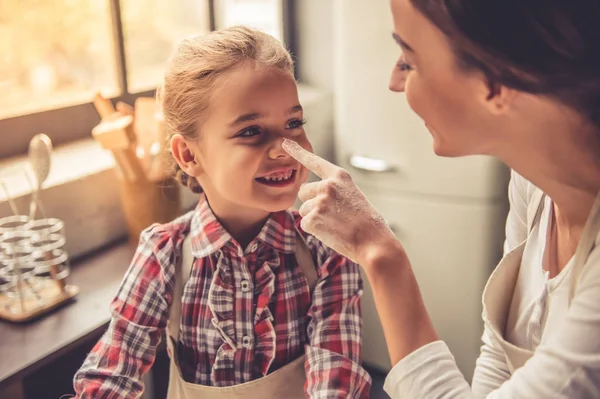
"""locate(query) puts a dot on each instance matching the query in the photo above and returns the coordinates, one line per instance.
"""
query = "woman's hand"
(337, 212)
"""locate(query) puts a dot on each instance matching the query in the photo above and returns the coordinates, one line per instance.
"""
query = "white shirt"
(566, 363)
(536, 293)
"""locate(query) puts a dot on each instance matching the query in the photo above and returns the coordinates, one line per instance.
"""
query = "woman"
(519, 80)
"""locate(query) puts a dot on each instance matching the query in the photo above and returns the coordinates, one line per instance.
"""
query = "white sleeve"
(491, 370)
(430, 372)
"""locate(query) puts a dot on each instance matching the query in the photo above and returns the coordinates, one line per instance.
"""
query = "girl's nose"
(276, 149)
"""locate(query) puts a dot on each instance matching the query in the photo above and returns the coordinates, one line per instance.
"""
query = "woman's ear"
(498, 98)
(186, 155)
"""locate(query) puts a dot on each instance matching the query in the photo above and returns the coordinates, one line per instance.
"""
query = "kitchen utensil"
(50, 231)
(117, 135)
(40, 152)
(103, 106)
(145, 122)
(149, 201)
(12, 243)
(145, 127)
(125, 109)
(53, 257)
(157, 169)
(11, 202)
(33, 267)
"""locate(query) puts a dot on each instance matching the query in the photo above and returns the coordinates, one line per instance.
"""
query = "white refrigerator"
(448, 213)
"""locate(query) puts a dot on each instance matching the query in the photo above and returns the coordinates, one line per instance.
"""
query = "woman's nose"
(399, 76)
(398, 80)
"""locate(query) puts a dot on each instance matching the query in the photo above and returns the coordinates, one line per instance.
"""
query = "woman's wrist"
(380, 255)
(400, 306)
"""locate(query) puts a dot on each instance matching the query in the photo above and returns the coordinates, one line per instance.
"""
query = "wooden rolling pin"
(117, 135)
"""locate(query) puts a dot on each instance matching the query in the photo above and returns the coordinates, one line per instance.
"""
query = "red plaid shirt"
(261, 303)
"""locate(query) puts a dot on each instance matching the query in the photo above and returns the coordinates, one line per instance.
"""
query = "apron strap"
(586, 244)
(534, 207)
(183, 269)
(305, 262)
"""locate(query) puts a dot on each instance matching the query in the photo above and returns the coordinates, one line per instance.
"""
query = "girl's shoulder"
(165, 239)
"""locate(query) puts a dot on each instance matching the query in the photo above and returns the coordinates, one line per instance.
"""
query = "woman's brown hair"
(544, 47)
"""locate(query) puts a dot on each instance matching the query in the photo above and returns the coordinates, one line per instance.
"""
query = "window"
(266, 15)
(151, 29)
(54, 55)
(54, 60)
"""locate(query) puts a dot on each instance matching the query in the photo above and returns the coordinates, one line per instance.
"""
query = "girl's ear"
(184, 156)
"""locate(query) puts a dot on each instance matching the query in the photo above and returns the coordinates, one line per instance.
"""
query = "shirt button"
(245, 285)
(246, 342)
(254, 247)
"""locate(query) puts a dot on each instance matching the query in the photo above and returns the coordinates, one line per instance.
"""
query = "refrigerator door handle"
(367, 164)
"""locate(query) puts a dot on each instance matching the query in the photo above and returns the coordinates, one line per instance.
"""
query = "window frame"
(75, 122)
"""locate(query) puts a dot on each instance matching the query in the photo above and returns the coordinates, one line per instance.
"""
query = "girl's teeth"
(279, 178)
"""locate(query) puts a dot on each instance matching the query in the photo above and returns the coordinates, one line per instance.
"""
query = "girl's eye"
(296, 123)
(249, 132)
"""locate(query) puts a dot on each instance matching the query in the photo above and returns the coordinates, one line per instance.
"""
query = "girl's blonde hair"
(195, 67)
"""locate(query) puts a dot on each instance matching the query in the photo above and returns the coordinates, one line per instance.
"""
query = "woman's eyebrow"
(402, 43)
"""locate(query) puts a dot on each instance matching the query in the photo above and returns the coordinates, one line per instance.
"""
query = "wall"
(314, 42)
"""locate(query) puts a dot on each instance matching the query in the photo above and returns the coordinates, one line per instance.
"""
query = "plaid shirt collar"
(209, 236)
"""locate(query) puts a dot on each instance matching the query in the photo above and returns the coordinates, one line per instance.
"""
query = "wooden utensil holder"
(146, 201)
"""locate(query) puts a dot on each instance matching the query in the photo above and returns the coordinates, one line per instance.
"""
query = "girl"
(232, 279)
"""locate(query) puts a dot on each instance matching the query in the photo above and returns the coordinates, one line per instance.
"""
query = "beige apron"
(499, 290)
(286, 382)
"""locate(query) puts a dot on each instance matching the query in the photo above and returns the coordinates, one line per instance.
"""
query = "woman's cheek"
(413, 94)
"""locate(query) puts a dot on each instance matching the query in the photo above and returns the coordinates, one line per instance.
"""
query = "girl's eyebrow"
(295, 108)
(245, 118)
(255, 116)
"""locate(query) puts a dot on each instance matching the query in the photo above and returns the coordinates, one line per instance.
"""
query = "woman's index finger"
(312, 162)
